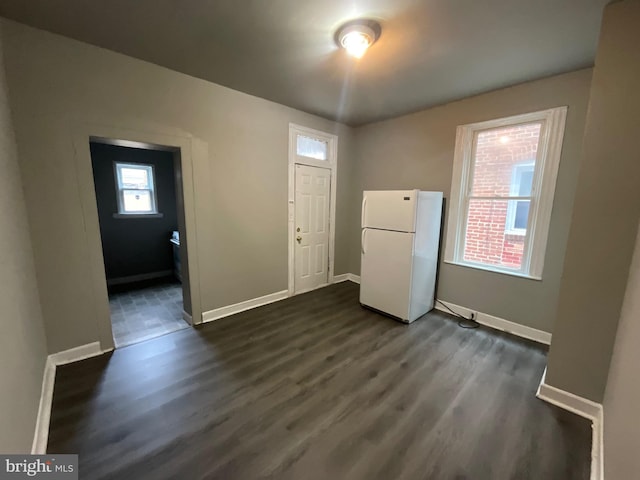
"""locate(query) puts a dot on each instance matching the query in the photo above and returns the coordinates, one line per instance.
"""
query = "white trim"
(585, 408)
(139, 278)
(331, 164)
(153, 195)
(222, 312)
(76, 354)
(133, 216)
(354, 278)
(346, 277)
(41, 434)
(597, 447)
(186, 317)
(498, 323)
(544, 183)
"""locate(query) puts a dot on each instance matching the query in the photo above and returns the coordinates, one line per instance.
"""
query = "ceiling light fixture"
(357, 36)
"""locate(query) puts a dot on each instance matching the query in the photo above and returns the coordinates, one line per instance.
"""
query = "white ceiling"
(430, 51)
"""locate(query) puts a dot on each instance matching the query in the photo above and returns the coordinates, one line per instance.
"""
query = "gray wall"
(416, 151)
(622, 396)
(22, 343)
(605, 215)
(134, 246)
(58, 85)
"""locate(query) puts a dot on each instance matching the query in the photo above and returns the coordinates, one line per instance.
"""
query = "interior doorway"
(138, 194)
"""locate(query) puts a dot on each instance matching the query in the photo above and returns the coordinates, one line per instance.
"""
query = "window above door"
(311, 147)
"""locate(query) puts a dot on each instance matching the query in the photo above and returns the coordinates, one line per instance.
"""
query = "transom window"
(311, 147)
(135, 189)
(502, 192)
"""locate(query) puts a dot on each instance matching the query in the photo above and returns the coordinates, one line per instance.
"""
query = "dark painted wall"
(134, 246)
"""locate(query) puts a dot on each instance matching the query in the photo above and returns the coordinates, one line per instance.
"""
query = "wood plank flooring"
(317, 387)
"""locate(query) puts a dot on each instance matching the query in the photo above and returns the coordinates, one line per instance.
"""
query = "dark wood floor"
(316, 387)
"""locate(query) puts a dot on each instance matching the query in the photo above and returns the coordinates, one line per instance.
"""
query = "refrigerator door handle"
(364, 206)
(362, 241)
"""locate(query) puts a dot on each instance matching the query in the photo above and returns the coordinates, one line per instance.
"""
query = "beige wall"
(59, 85)
(416, 151)
(622, 396)
(22, 342)
(605, 215)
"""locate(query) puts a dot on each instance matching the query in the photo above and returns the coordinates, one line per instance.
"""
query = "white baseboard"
(222, 312)
(585, 408)
(139, 278)
(354, 278)
(218, 313)
(41, 435)
(498, 323)
(343, 277)
(187, 318)
(76, 354)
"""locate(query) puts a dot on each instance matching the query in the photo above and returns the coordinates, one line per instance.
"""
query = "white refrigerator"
(399, 248)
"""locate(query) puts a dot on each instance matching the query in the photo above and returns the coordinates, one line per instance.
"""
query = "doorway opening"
(312, 200)
(141, 218)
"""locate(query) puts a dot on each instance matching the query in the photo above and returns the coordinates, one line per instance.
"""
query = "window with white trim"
(502, 192)
(311, 147)
(135, 189)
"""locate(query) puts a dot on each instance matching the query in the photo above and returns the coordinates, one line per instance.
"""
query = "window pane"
(310, 147)
(497, 153)
(137, 201)
(488, 239)
(131, 177)
(521, 215)
(526, 182)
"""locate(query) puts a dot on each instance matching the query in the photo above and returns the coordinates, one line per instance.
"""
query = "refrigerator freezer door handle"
(362, 241)
(364, 206)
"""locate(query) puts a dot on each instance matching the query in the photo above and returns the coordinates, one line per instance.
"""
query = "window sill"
(138, 215)
(487, 268)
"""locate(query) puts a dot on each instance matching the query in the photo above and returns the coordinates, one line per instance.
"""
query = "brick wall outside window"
(497, 152)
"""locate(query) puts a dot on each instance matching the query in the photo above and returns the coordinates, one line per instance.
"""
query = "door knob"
(299, 239)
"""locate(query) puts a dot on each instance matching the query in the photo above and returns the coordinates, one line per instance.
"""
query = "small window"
(518, 210)
(502, 192)
(136, 189)
(311, 147)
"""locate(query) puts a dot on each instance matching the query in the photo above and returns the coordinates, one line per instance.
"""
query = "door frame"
(330, 164)
(188, 151)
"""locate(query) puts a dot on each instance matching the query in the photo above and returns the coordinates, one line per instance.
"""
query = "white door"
(385, 274)
(390, 209)
(311, 227)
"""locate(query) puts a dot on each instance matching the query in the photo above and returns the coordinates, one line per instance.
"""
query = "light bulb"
(356, 38)
(356, 44)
